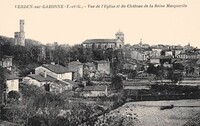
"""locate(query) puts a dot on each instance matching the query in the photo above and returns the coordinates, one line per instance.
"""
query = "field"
(149, 113)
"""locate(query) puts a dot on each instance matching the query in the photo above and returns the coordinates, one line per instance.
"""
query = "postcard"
(100, 62)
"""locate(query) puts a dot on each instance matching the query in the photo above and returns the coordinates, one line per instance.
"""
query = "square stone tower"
(20, 36)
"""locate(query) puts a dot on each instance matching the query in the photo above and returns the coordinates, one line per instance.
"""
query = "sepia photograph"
(99, 63)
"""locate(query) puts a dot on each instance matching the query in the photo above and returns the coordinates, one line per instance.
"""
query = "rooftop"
(91, 41)
(56, 68)
(41, 77)
(95, 88)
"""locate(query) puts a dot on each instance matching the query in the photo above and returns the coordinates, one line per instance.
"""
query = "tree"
(117, 82)
(14, 95)
(2, 82)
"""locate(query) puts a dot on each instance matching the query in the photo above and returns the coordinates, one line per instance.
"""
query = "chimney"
(45, 74)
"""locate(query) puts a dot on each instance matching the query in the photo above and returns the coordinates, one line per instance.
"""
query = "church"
(117, 43)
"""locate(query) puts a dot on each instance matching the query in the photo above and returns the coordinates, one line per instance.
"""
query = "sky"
(157, 25)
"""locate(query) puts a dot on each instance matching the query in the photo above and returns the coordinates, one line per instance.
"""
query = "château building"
(116, 43)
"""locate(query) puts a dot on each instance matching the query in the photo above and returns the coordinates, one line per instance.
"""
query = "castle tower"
(20, 36)
(21, 23)
(120, 35)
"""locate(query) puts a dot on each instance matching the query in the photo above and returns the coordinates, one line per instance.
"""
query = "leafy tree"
(117, 83)
(13, 95)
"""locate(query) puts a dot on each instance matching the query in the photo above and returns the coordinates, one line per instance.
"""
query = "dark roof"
(91, 41)
(75, 63)
(9, 75)
(56, 68)
(41, 78)
(89, 64)
(95, 88)
(102, 61)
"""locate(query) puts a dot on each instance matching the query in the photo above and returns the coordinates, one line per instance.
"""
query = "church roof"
(91, 41)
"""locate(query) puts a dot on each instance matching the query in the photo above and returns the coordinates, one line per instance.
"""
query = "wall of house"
(12, 85)
(168, 53)
(32, 81)
(104, 67)
(156, 52)
(137, 55)
(94, 93)
(79, 68)
(63, 76)
(155, 61)
(177, 52)
(100, 45)
(41, 69)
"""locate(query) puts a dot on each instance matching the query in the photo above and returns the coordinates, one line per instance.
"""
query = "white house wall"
(12, 85)
(32, 81)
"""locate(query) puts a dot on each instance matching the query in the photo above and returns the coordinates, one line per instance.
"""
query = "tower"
(20, 36)
(21, 23)
(120, 35)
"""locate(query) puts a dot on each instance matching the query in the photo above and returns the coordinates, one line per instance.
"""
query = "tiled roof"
(91, 41)
(89, 64)
(9, 75)
(41, 78)
(76, 63)
(95, 88)
(56, 68)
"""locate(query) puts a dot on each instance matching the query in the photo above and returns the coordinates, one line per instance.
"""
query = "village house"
(129, 65)
(77, 68)
(138, 55)
(89, 70)
(6, 62)
(116, 43)
(103, 66)
(49, 83)
(156, 52)
(154, 60)
(95, 91)
(12, 81)
(188, 55)
(54, 70)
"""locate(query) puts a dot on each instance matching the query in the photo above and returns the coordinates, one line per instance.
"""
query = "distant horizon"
(102, 38)
(167, 26)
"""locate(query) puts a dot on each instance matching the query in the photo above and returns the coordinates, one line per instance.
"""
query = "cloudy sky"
(72, 26)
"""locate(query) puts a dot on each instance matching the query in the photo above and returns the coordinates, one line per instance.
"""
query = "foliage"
(13, 95)
(116, 119)
(117, 83)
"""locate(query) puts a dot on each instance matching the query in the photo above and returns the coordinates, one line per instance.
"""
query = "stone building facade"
(116, 43)
(19, 37)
